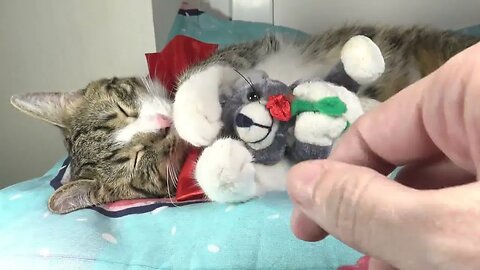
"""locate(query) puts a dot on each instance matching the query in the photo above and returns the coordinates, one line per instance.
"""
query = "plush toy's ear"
(362, 59)
(51, 107)
(72, 196)
(361, 63)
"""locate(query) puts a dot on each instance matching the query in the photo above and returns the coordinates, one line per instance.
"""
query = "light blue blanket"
(199, 236)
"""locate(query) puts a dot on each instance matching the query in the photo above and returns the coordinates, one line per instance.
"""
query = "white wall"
(164, 12)
(61, 45)
(315, 16)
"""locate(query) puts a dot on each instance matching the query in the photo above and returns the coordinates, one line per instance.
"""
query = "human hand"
(430, 217)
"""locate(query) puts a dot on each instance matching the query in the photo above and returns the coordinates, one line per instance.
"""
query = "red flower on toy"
(280, 107)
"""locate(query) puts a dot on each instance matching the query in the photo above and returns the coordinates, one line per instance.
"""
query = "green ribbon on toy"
(331, 106)
(284, 107)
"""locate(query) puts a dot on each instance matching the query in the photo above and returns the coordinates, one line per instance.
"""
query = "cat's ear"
(49, 106)
(72, 196)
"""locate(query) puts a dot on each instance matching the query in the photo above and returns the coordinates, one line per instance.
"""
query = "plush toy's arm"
(226, 173)
(361, 63)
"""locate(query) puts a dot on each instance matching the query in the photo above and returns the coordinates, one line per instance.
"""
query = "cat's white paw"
(197, 110)
(226, 173)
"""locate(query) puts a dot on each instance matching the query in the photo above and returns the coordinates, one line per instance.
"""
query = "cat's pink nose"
(163, 121)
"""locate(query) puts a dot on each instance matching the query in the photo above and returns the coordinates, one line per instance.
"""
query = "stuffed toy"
(268, 125)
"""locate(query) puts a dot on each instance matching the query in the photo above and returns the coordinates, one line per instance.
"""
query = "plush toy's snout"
(243, 121)
(253, 123)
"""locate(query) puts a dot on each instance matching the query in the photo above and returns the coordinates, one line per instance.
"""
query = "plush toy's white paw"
(362, 59)
(318, 129)
(197, 110)
(226, 173)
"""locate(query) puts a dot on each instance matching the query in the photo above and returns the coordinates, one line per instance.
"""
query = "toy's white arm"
(319, 129)
(226, 173)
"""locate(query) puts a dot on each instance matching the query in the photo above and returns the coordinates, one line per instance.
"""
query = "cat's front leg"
(226, 172)
(197, 109)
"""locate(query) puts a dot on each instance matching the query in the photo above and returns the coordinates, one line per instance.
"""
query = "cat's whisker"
(245, 78)
(174, 166)
(155, 88)
(173, 173)
(169, 193)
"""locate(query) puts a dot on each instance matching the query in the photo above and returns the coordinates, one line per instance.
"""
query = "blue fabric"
(472, 30)
(210, 29)
(200, 236)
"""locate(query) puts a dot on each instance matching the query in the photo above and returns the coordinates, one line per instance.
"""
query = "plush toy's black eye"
(253, 96)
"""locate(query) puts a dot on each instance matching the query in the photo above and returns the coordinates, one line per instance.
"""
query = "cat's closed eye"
(125, 112)
(138, 157)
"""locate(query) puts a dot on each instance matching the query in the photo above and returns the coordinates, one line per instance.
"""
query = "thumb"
(357, 205)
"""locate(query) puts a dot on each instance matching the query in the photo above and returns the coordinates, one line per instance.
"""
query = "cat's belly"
(288, 65)
(273, 177)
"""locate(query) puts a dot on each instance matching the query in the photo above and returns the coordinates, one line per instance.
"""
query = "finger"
(306, 229)
(381, 139)
(436, 114)
(349, 202)
(434, 174)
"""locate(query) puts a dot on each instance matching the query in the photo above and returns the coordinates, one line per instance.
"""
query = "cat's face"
(118, 134)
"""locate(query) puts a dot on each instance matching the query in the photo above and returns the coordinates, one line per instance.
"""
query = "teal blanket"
(253, 235)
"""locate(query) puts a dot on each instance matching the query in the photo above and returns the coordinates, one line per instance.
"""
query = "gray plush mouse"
(268, 125)
(247, 116)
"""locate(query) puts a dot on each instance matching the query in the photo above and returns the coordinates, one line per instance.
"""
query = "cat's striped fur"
(410, 52)
(107, 165)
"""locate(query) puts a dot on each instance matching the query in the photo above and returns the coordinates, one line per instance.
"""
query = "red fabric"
(187, 187)
(180, 53)
(166, 66)
(280, 107)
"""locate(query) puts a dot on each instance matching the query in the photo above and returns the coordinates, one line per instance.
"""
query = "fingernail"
(302, 181)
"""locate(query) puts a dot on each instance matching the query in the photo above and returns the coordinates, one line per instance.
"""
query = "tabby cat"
(118, 135)
(410, 54)
(115, 129)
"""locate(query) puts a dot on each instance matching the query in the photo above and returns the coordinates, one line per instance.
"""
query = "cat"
(410, 53)
(118, 134)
